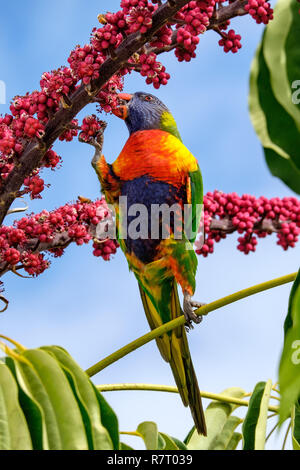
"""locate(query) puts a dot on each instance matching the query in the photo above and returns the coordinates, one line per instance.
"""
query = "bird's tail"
(174, 348)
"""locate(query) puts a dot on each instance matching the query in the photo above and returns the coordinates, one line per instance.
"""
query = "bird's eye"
(148, 98)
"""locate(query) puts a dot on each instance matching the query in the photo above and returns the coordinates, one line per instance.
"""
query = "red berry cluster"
(188, 43)
(195, 16)
(260, 10)
(162, 38)
(34, 185)
(107, 98)
(251, 217)
(50, 231)
(51, 159)
(71, 132)
(139, 19)
(57, 83)
(153, 70)
(104, 249)
(85, 63)
(91, 125)
(118, 20)
(230, 41)
(29, 116)
(105, 37)
(127, 5)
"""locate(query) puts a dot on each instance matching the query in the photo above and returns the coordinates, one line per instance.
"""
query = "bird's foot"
(188, 310)
(96, 141)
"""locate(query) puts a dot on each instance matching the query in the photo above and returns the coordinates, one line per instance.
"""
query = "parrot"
(155, 168)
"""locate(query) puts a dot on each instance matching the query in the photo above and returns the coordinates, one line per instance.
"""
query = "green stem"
(167, 388)
(286, 435)
(131, 433)
(181, 320)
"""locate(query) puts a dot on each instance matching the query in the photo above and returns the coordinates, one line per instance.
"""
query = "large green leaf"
(220, 424)
(289, 368)
(31, 409)
(152, 438)
(14, 432)
(281, 53)
(296, 426)
(255, 423)
(65, 410)
(275, 117)
(87, 399)
(61, 407)
(109, 419)
(234, 441)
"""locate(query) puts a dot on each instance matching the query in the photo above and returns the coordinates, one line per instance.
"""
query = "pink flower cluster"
(30, 114)
(51, 232)
(251, 217)
(27, 121)
(230, 41)
(153, 70)
(193, 20)
(260, 10)
(91, 125)
(26, 243)
(85, 63)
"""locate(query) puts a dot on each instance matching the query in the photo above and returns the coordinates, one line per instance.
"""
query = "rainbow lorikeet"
(155, 168)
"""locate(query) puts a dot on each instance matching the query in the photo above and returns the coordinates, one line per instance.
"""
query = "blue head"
(143, 111)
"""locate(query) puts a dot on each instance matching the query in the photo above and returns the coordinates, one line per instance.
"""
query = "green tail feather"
(174, 348)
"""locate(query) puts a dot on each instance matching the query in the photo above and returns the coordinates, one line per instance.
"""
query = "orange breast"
(157, 154)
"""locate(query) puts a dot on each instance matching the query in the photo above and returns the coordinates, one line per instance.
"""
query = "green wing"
(192, 221)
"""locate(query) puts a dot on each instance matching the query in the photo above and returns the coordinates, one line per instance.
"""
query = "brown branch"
(62, 240)
(35, 151)
(221, 15)
(227, 13)
(226, 226)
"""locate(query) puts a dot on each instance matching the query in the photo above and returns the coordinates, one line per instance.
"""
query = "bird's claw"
(190, 316)
(96, 141)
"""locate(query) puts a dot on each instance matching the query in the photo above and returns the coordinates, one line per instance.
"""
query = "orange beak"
(122, 110)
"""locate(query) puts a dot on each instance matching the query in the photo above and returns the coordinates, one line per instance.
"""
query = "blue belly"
(146, 191)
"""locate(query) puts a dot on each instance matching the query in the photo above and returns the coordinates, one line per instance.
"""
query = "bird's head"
(143, 111)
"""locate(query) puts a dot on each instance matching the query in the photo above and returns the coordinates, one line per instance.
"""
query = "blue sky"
(91, 307)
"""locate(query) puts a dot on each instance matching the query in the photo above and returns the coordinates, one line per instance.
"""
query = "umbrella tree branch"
(35, 150)
(181, 320)
(170, 389)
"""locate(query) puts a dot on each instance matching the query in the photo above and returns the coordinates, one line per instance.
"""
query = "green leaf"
(276, 119)
(31, 384)
(124, 446)
(255, 423)
(222, 441)
(220, 424)
(180, 445)
(65, 422)
(281, 53)
(14, 433)
(234, 441)
(289, 368)
(149, 433)
(31, 409)
(109, 419)
(169, 442)
(296, 426)
(87, 399)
